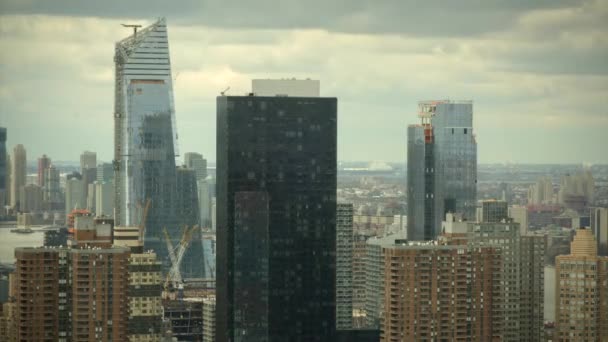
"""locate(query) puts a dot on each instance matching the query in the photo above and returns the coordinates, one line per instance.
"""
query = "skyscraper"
(18, 172)
(581, 295)
(3, 169)
(74, 193)
(441, 166)
(196, 162)
(105, 172)
(344, 266)
(43, 163)
(88, 160)
(599, 227)
(276, 218)
(494, 211)
(145, 135)
(52, 192)
(187, 215)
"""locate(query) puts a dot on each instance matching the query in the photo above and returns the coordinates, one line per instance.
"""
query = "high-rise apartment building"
(18, 173)
(581, 295)
(599, 227)
(4, 184)
(441, 167)
(541, 192)
(374, 278)
(71, 294)
(518, 303)
(43, 163)
(344, 266)
(31, 198)
(438, 292)
(74, 193)
(195, 161)
(145, 135)
(144, 295)
(52, 195)
(276, 218)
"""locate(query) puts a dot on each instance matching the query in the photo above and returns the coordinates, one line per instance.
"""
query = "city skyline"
(533, 87)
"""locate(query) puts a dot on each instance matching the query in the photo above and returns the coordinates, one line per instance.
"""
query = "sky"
(537, 71)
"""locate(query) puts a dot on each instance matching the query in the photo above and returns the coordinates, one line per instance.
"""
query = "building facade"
(344, 266)
(195, 161)
(494, 211)
(65, 294)
(43, 163)
(145, 137)
(581, 295)
(279, 153)
(74, 193)
(4, 184)
(599, 227)
(438, 292)
(18, 173)
(442, 167)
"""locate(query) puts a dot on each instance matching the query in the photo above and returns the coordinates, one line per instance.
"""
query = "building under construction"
(441, 166)
(145, 142)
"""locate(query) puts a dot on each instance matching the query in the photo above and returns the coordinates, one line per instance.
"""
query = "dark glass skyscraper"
(276, 218)
(441, 167)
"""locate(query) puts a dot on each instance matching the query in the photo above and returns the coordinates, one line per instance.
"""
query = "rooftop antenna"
(135, 27)
(225, 90)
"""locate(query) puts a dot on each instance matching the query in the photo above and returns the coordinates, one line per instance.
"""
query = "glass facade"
(442, 167)
(281, 150)
(145, 140)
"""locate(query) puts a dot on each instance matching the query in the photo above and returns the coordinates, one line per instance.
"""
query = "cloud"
(539, 69)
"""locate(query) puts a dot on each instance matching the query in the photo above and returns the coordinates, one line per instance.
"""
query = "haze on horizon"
(536, 71)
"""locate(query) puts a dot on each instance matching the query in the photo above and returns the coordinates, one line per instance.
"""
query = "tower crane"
(176, 255)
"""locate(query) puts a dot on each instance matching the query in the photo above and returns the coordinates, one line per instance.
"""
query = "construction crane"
(176, 255)
(135, 27)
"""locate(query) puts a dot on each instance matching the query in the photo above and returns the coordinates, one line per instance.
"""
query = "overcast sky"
(537, 71)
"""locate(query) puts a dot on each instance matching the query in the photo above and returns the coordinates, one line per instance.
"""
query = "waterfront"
(9, 240)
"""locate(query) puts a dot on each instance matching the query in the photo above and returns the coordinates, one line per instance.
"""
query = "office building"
(18, 173)
(31, 198)
(494, 211)
(276, 218)
(195, 161)
(52, 196)
(441, 167)
(4, 166)
(43, 163)
(599, 227)
(105, 172)
(74, 193)
(104, 198)
(581, 295)
(438, 292)
(71, 294)
(344, 266)
(144, 113)
(187, 215)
